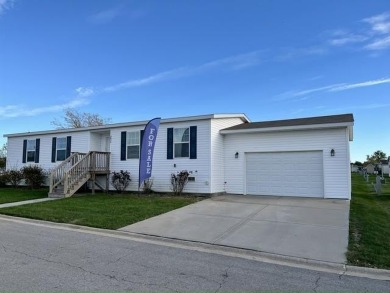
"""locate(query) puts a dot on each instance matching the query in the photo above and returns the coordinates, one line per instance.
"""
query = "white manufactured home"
(224, 153)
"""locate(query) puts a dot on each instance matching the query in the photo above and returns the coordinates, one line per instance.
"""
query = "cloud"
(105, 16)
(379, 44)
(345, 87)
(166, 75)
(374, 35)
(373, 106)
(236, 62)
(379, 23)
(84, 91)
(347, 38)
(232, 63)
(331, 88)
(12, 111)
(293, 94)
(6, 5)
(380, 30)
(294, 53)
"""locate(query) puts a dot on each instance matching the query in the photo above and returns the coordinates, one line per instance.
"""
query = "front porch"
(76, 170)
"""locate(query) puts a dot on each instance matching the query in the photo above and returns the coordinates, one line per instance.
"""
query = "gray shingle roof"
(344, 118)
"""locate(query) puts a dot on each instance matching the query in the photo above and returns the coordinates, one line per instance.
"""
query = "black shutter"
(24, 151)
(140, 143)
(37, 146)
(141, 137)
(53, 149)
(170, 143)
(193, 147)
(68, 145)
(123, 146)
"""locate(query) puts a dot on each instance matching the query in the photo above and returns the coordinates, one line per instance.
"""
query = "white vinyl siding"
(80, 143)
(217, 152)
(162, 167)
(336, 169)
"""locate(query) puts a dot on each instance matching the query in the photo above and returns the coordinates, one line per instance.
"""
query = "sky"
(136, 60)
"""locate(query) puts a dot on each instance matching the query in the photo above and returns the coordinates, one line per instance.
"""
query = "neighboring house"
(354, 168)
(384, 166)
(223, 153)
(370, 168)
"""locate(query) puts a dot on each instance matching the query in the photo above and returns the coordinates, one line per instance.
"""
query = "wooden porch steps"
(78, 169)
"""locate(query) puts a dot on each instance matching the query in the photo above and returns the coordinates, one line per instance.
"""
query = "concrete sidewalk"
(308, 228)
(19, 203)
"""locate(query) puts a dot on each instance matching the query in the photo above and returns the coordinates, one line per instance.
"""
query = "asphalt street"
(41, 258)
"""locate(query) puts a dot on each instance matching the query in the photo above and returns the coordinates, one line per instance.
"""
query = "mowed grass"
(8, 195)
(369, 225)
(101, 210)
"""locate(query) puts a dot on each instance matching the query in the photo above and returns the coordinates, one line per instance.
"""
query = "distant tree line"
(375, 158)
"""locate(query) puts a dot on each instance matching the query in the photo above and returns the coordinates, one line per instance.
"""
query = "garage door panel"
(285, 174)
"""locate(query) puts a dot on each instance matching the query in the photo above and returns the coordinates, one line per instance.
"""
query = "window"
(181, 142)
(30, 150)
(133, 145)
(61, 148)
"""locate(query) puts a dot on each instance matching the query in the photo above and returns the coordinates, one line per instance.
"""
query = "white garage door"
(285, 174)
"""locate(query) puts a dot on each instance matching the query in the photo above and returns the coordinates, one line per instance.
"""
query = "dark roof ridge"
(330, 119)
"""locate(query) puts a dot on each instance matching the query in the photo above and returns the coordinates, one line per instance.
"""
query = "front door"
(107, 144)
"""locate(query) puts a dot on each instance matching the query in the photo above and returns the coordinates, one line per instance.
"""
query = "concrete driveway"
(315, 229)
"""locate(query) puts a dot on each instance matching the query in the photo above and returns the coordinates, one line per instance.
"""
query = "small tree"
(179, 181)
(34, 175)
(120, 180)
(75, 119)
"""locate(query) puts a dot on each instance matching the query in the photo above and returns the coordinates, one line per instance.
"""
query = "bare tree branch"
(75, 119)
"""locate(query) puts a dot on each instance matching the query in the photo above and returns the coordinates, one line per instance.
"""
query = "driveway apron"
(309, 228)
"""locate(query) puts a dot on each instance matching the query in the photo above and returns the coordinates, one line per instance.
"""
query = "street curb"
(255, 255)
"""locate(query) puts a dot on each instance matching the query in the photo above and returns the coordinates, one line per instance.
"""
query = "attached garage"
(307, 157)
(285, 174)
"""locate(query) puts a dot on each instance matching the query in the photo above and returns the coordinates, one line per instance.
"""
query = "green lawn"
(369, 225)
(101, 210)
(19, 194)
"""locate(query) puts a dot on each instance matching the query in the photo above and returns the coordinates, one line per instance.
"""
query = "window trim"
(139, 144)
(61, 149)
(34, 151)
(181, 142)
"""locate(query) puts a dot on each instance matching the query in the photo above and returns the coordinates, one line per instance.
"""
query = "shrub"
(147, 186)
(120, 180)
(13, 177)
(179, 181)
(3, 179)
(2, 162)
(34, 175)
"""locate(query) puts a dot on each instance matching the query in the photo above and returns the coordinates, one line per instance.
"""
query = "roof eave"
(288, 128)
(243, 117)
